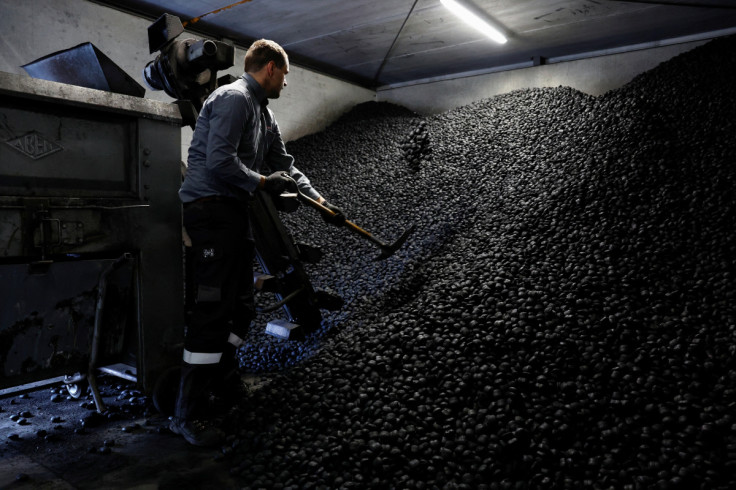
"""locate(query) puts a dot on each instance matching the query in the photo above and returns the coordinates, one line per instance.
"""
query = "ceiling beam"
(391, 48)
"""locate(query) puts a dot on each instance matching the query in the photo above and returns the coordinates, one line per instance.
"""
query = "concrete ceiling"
(378, 43)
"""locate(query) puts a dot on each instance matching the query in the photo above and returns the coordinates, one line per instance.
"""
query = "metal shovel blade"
(388, 250)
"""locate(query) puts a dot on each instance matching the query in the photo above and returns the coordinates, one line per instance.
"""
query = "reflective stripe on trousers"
(202, 357)
(235, 340)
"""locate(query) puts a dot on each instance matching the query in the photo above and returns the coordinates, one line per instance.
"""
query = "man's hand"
(277, 182)
(339, 217)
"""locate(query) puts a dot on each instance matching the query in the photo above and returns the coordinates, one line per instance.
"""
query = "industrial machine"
(91, 275)
(185, 69)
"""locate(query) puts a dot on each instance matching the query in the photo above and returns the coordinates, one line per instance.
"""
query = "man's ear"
(270, 66)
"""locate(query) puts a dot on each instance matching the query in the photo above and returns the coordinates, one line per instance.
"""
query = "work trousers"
(222, 255)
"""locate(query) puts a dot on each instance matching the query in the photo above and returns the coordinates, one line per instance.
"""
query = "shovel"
(387, 250)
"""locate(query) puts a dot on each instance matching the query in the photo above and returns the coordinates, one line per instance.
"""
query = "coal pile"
(563, 317)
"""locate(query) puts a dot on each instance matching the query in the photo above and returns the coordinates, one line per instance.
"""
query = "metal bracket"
(72, 232)
(53, 232)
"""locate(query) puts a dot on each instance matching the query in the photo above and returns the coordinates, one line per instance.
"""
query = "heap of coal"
(563, 317)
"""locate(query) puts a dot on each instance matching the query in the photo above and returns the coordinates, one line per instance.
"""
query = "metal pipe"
(97, 334)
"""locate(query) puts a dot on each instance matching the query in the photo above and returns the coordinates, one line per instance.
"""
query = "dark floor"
(53, 441)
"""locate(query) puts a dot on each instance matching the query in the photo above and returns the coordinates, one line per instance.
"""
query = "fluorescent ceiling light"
(473, 19)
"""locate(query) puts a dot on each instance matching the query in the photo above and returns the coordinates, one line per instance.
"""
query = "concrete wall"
(594, 76)
(34, 28)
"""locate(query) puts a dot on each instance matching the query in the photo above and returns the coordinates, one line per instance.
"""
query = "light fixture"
(467, 13)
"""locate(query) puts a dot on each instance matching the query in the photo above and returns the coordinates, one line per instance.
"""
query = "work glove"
(277, 182)
(338, 219)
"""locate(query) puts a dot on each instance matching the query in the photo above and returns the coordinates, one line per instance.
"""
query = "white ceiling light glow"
(474, 20)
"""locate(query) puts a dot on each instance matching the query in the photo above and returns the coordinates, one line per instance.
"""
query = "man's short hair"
(263, 51)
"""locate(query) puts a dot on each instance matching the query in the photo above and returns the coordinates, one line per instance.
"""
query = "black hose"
(281, 303)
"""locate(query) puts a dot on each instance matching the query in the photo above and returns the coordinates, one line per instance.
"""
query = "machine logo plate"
(34, 145)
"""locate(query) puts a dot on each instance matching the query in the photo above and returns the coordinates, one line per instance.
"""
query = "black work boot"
(185, 422)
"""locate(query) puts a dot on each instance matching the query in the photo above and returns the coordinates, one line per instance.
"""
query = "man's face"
(277, 81)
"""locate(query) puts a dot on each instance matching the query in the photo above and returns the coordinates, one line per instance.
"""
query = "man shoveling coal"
(236, 137)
